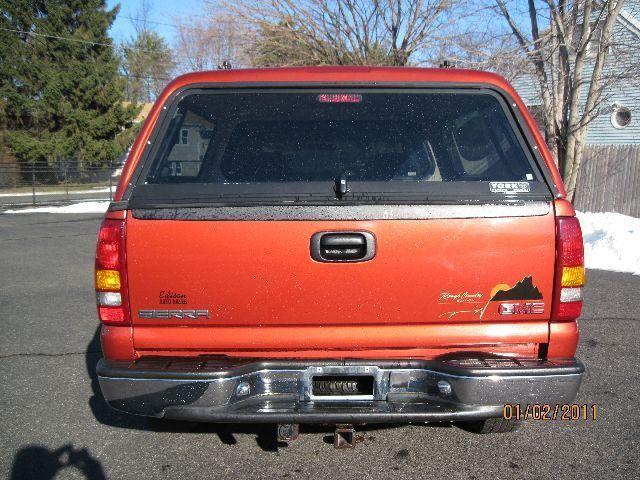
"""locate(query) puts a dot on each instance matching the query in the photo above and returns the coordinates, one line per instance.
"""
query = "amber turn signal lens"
(107, 280)
(572, 276)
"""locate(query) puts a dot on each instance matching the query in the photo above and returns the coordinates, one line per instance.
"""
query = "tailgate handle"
(342, 246)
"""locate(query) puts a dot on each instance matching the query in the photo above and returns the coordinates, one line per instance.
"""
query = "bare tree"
(484, 51)
(147, 60)
(205, 43)
(343, 32)
(568, 45)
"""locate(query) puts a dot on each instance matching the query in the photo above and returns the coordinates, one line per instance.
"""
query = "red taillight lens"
(111, 315)
(567, 295)
(109, 249)
(568, 311)
(569, 237)
(111, 275)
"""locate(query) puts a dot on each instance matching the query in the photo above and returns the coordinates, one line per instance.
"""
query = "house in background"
(190, 147)
(118, 163)
(609, 178)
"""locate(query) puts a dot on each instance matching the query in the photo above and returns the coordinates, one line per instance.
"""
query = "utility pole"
(33, 184)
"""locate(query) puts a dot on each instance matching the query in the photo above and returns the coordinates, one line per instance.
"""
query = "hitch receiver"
(344, 436)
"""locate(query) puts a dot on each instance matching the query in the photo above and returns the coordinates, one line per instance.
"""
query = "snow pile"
(83, 207)
(611, 241)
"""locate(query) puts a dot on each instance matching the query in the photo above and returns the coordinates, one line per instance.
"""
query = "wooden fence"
(609, 180)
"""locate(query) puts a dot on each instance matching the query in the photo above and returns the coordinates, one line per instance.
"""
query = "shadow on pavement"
(39, 463)
(265, 434)
(101, 411)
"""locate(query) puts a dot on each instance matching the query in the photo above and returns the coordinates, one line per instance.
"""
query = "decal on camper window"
(509, 187)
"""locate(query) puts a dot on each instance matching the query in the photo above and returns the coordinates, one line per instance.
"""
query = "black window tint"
(256, 138)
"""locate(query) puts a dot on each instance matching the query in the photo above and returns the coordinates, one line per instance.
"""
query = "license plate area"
(340, 383)
(342, 386)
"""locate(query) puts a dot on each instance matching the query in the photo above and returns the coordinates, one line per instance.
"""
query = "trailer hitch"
(345, 436)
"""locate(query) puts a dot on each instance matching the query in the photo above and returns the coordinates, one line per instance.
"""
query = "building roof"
(144, 111)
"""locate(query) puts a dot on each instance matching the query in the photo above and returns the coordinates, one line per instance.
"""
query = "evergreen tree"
(147, 65)
(60, 91)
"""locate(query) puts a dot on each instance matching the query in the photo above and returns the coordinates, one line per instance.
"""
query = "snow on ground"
(83, 207)
(611, 241)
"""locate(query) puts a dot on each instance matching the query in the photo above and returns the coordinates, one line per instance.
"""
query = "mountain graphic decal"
(523, 290)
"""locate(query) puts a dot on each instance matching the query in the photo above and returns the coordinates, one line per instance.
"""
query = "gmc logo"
(534, 308)
(167, 314)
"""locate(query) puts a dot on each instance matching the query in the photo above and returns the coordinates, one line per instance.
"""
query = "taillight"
(111, 275)
(567, 294)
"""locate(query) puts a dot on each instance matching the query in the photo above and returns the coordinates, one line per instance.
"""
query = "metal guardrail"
(33, 185)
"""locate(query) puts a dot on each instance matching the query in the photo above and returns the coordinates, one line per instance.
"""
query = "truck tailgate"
(228, 205)
(259, 274)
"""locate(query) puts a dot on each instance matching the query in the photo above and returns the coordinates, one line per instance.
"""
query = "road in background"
(21, 187)
(54, 197)
(54, 418)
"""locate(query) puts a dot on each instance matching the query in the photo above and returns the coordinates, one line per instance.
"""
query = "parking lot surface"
(54, 422)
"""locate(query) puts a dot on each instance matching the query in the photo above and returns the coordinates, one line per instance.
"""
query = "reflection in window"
(394, 137)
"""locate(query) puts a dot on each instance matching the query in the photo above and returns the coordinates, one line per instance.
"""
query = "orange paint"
(563, 339)
(564, 208)
(117, 342)
(426, 293)
(261, 273)
(336, 338)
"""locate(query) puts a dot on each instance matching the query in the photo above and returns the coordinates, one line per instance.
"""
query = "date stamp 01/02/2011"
(550, 411)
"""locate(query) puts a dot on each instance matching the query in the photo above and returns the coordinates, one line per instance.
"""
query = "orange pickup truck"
(339, 245)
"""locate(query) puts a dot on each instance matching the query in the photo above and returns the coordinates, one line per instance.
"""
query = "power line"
(173, 25)
(34, 34)
(86, 42)
(144, 20)
(69, 39)
(57, 37)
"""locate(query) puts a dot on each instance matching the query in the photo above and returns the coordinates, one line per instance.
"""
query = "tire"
(491, 425)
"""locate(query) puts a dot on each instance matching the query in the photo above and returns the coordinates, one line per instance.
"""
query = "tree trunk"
(561, 156)
(572, 179)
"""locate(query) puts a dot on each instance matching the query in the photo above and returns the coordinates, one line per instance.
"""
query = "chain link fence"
(28, 185)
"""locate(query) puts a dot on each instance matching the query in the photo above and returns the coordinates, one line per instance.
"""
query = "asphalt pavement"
(54, 422)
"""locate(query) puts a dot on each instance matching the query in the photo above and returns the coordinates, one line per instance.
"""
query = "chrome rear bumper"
(217, 390)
